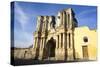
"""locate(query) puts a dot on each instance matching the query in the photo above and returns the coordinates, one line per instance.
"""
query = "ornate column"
(60, 41)
(71, 40)
(70, 18)
(64, 43)
(67, 40)
(37, 48)
(41, 56)
(70, 47)
(67, 19)
(36, 42)
(64, 18)
(57, 41)
(57, 46)
(41, 44)
(68, 23)
(64, 47)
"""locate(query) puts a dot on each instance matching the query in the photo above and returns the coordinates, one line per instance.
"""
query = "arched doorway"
(51, 45)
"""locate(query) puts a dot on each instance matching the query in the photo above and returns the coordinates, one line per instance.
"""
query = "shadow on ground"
(18, 62)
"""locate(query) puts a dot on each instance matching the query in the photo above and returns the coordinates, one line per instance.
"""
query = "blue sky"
(25, 16)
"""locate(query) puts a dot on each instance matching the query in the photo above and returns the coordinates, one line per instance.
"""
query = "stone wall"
(22, 53)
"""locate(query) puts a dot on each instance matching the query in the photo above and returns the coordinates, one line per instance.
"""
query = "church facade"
(60, 38)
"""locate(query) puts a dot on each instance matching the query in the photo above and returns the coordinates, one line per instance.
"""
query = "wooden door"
(85, 52)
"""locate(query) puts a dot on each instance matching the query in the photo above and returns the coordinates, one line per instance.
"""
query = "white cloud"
(23, 38)
(22, 18)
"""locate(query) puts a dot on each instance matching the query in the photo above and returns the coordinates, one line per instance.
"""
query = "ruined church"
(60, 38)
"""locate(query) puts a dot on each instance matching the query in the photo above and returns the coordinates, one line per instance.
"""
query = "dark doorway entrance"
(51, 45)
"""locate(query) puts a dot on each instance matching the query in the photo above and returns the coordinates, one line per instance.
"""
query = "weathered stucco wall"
(91, 44)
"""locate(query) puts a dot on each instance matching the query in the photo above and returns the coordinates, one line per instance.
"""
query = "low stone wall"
(22, 53)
